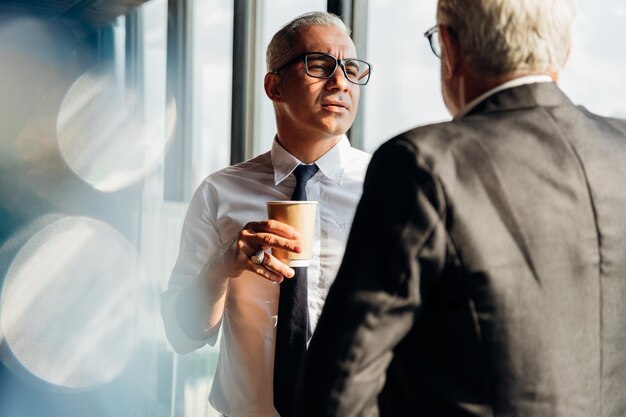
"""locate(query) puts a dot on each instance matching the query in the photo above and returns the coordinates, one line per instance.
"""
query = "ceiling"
(92, 13)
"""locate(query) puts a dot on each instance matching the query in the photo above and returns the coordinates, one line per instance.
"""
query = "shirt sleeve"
(200, 241)
(397, 240)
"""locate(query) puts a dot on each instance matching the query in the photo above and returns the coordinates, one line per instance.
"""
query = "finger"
(265, 272)
(269, 240)
(274, 264)
(248, 238)
(244, 261)
(272, 269)
(274, 227)
(245, 249)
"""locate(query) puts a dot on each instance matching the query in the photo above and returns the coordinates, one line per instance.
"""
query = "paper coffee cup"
(301, 215)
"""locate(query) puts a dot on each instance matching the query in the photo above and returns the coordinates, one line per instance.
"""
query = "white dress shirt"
(219, 209)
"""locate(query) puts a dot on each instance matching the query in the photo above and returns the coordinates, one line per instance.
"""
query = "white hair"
(280, 46)
(504, 36)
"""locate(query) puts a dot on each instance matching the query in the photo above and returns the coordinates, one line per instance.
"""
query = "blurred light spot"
(69, 302)
(103, 135)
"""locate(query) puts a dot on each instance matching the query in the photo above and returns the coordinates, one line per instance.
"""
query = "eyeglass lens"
(324, 66)
(433, 39)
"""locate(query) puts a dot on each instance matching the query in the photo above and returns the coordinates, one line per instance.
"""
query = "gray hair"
(504, 36)
(280, 46)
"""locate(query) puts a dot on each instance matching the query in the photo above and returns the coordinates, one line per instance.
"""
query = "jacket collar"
(523, 96)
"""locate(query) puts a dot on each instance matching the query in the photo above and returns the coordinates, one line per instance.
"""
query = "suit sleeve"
(397, 241)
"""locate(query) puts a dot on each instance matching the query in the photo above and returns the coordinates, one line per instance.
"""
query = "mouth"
(335, 106)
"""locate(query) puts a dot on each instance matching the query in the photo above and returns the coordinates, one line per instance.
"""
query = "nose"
(338, 80)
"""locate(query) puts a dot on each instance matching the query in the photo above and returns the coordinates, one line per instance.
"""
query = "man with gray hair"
(496, 278)
(224, 276)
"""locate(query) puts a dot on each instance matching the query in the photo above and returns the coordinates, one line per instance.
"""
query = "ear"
(451, 56)
(273, 87)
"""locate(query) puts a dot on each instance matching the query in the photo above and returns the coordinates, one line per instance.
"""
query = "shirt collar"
(331, 164)
(529, 79)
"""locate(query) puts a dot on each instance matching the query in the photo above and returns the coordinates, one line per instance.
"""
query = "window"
(212, 49)
(592, 76)
(404, 89)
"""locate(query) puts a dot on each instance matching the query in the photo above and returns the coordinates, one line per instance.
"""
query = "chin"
(334, 128)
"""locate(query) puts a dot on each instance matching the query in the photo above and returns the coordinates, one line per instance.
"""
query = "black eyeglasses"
(321, 65)
(432, 35)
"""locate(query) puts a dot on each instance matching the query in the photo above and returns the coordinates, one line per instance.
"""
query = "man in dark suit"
(485, 273)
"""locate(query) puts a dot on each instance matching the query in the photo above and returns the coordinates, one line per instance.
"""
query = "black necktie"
(293, 327)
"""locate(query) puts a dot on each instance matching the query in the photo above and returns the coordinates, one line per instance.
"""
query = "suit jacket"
(485, 273)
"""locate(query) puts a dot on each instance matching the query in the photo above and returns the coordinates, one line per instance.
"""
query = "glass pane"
(80, 285)
(593, 75)
(184, 381)
(403, 91)
(161, 220)
(212, 28)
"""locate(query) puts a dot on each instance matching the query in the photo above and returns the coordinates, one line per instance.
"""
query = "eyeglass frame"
(338, 62)
(429, 34)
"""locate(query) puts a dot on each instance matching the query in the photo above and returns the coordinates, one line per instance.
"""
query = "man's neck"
(307, 150)
(473, 87)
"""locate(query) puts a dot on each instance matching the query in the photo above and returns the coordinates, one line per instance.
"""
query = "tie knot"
(303, 173)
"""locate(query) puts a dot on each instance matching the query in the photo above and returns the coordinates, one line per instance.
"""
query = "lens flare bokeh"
(103, 134)
(69, 304)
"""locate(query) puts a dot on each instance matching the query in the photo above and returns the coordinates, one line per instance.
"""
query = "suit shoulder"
(619, 124)
(430, 143)
(438, 137)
